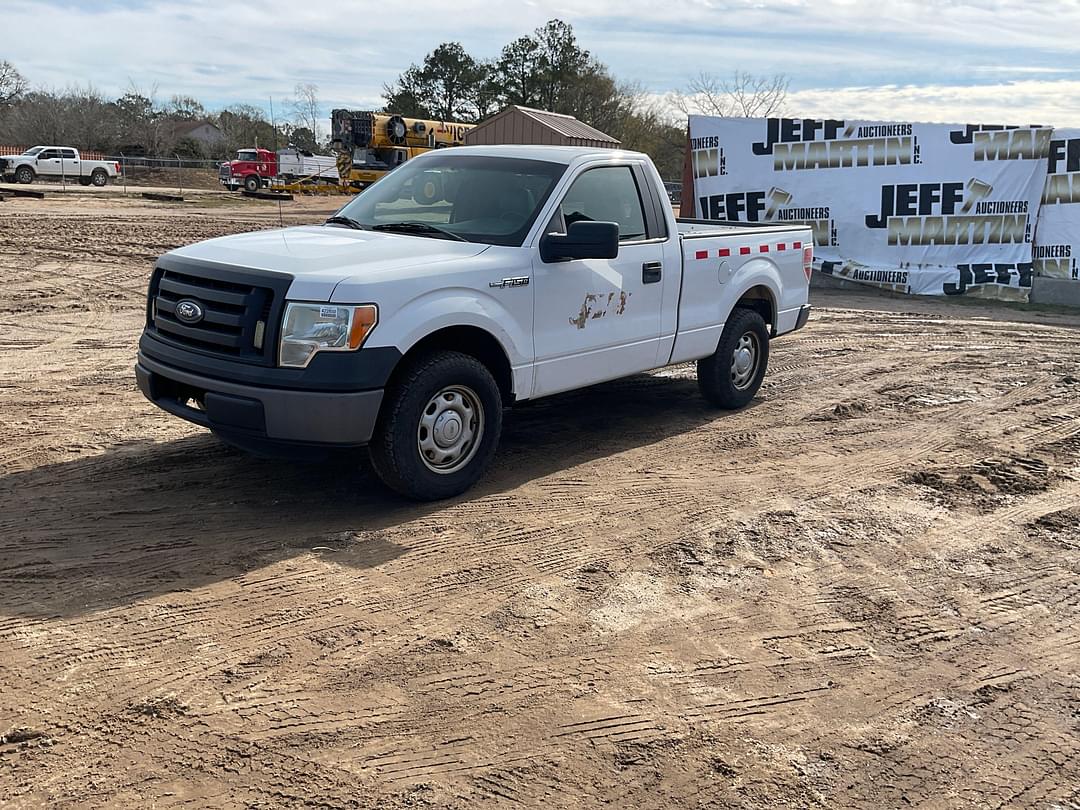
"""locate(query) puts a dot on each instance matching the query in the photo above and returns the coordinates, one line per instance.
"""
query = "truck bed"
(726, 261)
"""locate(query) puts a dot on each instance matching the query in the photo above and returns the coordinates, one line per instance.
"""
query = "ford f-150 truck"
(468, 280)
(57, 162)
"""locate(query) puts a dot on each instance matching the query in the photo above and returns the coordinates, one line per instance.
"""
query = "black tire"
(84, 181)
(25, 175)
(730, 380)
(252, 182)
(99, 177)
(420, 393)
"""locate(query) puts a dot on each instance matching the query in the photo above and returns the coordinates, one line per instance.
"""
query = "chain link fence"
(172, 172)
(176, 172)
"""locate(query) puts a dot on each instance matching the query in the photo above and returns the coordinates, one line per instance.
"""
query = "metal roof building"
(524, 125)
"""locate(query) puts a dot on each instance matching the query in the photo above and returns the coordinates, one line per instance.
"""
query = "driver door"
(598, 319)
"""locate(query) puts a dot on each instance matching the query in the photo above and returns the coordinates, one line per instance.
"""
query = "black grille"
(239, 314)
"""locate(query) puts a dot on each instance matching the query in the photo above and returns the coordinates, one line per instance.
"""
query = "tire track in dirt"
(646, 603)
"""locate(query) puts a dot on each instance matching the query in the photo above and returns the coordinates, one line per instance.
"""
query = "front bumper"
(276, 415)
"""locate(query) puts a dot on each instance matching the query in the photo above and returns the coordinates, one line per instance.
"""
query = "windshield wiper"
(417, 228)
(338, 219)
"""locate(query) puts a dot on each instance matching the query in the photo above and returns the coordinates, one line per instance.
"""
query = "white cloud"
(1030, 101)
(924, 51)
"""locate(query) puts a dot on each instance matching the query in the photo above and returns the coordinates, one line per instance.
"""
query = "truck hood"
(321, 257)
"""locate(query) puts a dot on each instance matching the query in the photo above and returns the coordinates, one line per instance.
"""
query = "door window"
(605, 194)
(69, 153)
(48, 154)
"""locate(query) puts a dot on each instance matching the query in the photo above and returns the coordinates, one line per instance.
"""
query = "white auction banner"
(928, 209)
(1057, 235)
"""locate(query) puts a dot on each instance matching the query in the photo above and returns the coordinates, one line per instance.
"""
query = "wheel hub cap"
(744, 361)
(447, 428)
(450, 429)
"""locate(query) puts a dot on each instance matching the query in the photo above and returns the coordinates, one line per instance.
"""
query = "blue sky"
(1011, 61)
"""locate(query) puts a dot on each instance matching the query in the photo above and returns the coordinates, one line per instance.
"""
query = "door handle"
(651, 272)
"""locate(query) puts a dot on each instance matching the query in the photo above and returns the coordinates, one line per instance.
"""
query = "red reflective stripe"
(725, 252)
(781, 246)
(796, 245)
(745, 251)
(701, 254)
(764, 248)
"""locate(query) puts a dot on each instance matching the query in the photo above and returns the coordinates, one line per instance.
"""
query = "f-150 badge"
(519, 281)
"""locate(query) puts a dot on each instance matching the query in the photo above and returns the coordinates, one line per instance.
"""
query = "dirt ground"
(861, 591)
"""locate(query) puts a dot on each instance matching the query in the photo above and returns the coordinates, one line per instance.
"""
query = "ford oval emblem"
(188, 311)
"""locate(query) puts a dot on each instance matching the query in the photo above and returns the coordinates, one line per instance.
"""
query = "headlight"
(308, 329)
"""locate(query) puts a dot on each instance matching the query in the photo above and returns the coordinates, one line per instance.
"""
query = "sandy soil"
(861, 591)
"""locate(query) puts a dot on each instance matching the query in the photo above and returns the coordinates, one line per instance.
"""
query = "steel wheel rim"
(744, 361)
(451, 427)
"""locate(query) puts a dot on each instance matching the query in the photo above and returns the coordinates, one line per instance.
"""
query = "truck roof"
(552, 154)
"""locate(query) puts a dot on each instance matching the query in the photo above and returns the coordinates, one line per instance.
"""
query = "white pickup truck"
(466, 281)
(57, 163)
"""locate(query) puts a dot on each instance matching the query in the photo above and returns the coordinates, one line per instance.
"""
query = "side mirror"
(582, 240)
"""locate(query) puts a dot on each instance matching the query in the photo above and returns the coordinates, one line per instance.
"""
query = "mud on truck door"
(598, 319)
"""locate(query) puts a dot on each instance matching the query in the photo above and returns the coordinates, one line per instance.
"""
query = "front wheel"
(252, 182)
(24, 175)
(438, 427)
(731, 376)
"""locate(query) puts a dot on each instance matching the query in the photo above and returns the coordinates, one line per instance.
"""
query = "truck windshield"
(33, 150)
(250, 155)
(478, 198)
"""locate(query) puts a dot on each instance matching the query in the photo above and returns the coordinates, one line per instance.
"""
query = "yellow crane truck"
(371, 144)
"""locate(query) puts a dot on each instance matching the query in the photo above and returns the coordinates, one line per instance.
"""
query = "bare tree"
(12, 84)
(306, 107)
(742, 96)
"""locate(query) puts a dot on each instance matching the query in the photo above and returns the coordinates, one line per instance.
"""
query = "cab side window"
(48, 154)
(69, 154)
(604, 194)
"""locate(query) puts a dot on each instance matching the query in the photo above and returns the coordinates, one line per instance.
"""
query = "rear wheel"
(731, 376)
(24, 175)
(99, 177)
(438, 427)
(252, 182)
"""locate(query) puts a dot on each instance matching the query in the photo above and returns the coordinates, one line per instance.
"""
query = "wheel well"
(760, 300)
(470, 340)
